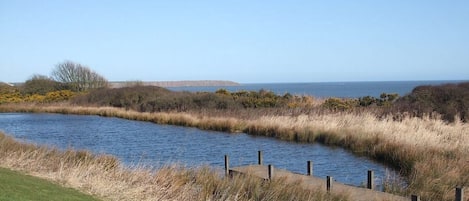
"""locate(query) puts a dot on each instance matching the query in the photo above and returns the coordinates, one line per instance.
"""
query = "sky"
(246, 41)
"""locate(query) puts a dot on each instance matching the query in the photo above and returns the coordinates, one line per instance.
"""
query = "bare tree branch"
(77, 76)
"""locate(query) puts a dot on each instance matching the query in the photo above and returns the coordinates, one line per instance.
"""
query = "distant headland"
(183, 83)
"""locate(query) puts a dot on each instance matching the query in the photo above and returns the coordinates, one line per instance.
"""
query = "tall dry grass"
(432, 154)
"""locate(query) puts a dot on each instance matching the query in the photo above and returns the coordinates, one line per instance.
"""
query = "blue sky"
(245, 41)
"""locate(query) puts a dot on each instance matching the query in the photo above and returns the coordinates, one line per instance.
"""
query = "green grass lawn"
(16, 186)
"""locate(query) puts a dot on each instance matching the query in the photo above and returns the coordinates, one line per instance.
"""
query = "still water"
(135, 142)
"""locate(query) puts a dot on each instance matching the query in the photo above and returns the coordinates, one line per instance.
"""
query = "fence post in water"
(227, 165)
(459, 193)
(271, 172)
(259, 157)
(310, 168)
(370, 179)
(415, 198)
(328, 183)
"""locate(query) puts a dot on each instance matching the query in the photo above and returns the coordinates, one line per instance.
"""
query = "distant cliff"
(186, 83)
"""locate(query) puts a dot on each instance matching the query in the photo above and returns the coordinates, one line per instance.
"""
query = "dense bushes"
(156, 99)
(261, 99)
(384, 99)
(5, 88)
(49, 97)
(148, 98)
(449, 101)
(38, 89)
(41, 85)
(337, 104)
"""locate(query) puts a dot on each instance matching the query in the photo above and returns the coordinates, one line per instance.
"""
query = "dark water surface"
(328, 89)
(156, 145)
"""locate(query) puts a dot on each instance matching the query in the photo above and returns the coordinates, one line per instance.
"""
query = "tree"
(78, 77)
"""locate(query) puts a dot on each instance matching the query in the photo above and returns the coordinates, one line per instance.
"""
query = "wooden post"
(370, 183)
(310, 168)
(271, 172)
(328, 183)
(459, 194)
(259, 157)
(415, 198)
(227, 165)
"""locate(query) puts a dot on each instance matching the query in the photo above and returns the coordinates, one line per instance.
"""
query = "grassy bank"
(432, 154)
(106, 178)
(15, 186)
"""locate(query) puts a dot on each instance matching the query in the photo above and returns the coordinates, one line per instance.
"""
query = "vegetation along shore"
(424, 135)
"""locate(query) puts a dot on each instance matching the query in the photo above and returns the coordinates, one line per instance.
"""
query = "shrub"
(6, 88)
(387, 99)
(223, 92)
(37, 98)
(57, 96)
(15, 97)
(152, 99)
(40, 85)
(337, 104)
(9, 94)
(449, 100)
(367, 101)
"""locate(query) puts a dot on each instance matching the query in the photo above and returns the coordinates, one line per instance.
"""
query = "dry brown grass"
(416, 132)
(432, 154)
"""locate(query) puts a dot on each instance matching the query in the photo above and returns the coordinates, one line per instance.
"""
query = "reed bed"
(417, 132)
(431, 154)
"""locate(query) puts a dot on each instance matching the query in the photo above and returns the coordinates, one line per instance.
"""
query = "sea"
(327, 89)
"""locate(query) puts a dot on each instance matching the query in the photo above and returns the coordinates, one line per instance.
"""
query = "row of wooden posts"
(459, 196)
(309, 171)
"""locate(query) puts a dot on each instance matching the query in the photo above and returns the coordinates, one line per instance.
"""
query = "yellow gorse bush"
(50, 97)
(61, 95)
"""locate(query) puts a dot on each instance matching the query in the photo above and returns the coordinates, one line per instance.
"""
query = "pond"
(145, 143)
